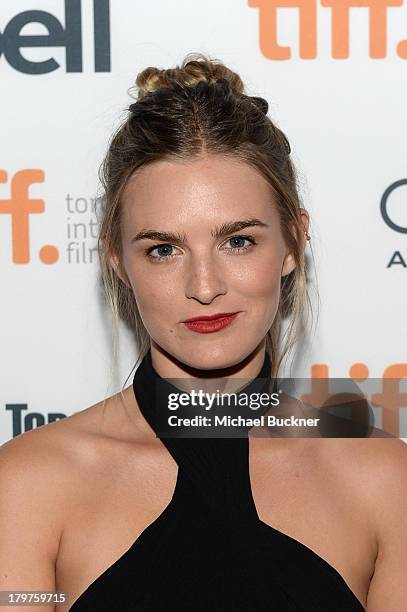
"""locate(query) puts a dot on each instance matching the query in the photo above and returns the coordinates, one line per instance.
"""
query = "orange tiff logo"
(340, 18)
(390, 399)
(20, 206)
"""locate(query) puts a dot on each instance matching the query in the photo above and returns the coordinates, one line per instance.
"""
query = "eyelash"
(237, 250)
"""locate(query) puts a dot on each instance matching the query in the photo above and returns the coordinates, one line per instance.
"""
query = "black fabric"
(208, 551)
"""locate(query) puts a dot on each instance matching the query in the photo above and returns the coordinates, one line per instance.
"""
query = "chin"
(213, 357)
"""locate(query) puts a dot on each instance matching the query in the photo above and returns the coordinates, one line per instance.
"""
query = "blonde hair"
(196, 108)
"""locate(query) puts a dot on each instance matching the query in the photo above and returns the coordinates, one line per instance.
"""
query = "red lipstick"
(211, 323)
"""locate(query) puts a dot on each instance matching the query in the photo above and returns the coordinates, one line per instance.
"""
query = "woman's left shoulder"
(376, 473)
(376, 466)
(386, 453)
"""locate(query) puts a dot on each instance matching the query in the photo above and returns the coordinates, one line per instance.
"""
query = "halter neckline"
(152, 392)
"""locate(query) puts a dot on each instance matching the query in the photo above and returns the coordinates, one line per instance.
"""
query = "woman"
(201, 218)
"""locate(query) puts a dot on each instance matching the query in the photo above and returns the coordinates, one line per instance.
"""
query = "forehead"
(202, 189)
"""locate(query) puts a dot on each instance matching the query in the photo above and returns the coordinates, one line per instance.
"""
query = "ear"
(118, 268)
(288, 265)
(289, 261)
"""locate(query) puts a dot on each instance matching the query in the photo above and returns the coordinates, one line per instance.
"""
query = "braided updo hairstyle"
(199, 108)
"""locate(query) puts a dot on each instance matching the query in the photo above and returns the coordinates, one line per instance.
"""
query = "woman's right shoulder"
(43, 476)
(48, 455)
(37, 458)
(70, 449)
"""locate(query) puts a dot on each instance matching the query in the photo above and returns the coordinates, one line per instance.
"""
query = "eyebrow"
(229, 227)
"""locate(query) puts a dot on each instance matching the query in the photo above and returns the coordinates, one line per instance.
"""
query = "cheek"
(260, 291)
(155, 294)
(260, 279)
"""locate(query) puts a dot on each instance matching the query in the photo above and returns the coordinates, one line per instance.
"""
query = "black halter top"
(208, 551)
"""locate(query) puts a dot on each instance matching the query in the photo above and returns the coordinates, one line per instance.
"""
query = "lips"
(217, 315)
(210, 324)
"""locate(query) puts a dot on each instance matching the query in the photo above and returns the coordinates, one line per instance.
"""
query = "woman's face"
(207, 266)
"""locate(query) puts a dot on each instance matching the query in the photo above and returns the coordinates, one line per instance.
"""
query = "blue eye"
(163, 255)
(164, 251)
(240, 247)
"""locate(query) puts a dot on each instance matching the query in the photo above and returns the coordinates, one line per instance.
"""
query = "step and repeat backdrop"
(334, 73)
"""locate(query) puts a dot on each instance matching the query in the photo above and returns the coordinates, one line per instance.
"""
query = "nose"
(204, 279)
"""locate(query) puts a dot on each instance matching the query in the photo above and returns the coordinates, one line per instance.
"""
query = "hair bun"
(195, 68)
(261, 103)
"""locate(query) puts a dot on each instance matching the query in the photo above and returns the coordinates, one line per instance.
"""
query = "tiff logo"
(20, 206)
(70, 37)
(340, 19)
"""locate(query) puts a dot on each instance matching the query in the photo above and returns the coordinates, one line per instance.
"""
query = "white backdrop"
(346, 121)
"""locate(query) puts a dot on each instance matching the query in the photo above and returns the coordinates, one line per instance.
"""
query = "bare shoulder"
(376, 469)
(43, 446)
(383, 463)
(60, 447)
(45, 474)
(374, 472)
(48, 470)
(33, 469)
(377, 460)
(40, 462)
(34, 452)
